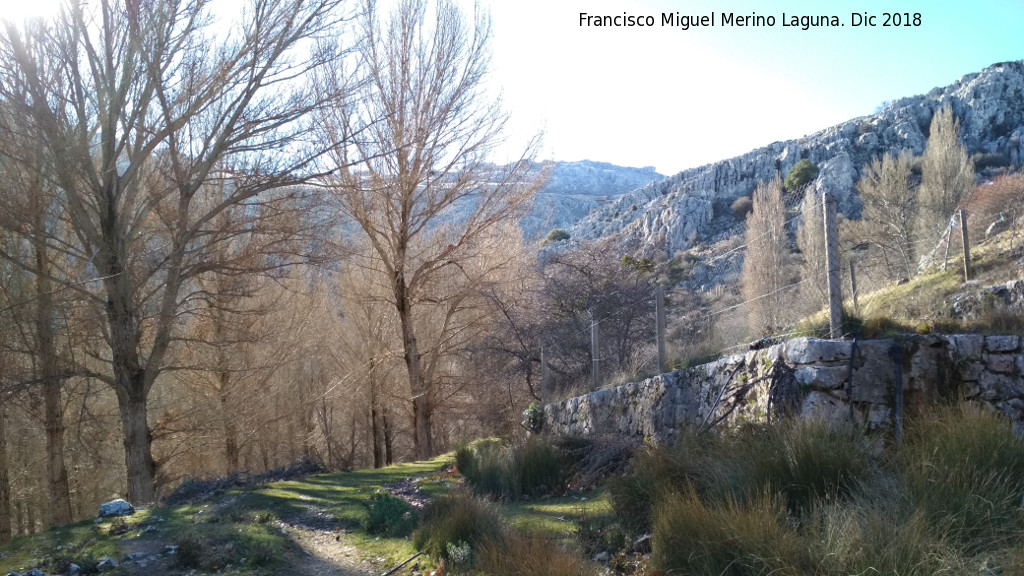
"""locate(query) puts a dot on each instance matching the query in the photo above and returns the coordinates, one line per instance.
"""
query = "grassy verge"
(237, 532)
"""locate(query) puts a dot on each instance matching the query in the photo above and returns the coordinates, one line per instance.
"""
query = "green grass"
(558, 517)
(239, 524)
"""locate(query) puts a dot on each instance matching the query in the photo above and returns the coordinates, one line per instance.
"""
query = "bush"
(389, 516)
(875, 538)
(530, 555)
(457, 519)
(802, 174)
(555, 235)
(741, 206)
(533, 468)
(728, 538)
(983, 161)
(803, 460)
(964, 469)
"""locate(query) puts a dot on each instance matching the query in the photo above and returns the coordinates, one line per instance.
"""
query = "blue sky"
(676, 99)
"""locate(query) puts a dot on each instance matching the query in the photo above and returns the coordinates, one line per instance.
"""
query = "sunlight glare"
(17, 10)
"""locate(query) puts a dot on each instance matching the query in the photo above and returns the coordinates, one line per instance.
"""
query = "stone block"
(969, 371)
(1002, 363)
(995, 387)
(967, 346)
(879, 416)
(821, 377)
(820, 405)
(814, 351)
(1001, 343)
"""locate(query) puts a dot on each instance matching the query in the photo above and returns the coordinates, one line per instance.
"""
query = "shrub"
(555, 235)
(529, 555)
(741, 206)
(457, 519)
(533, 468)
(874, 538)
(802, 459)
(691, 537)
(800, 175)
(990, 160)
(964, 469)
(390, 516)
(799, 460)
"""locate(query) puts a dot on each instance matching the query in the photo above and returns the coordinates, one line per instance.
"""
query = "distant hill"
(693, 206)
(574, 189)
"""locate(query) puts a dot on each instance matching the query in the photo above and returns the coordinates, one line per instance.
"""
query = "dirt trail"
(324, 553)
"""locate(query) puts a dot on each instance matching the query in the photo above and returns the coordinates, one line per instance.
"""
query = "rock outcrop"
(573, 189)
(678, 211)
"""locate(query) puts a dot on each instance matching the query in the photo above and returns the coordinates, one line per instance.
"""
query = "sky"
(676, 99)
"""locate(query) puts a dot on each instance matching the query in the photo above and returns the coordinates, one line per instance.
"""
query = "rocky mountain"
(693, 205)
(573, 189)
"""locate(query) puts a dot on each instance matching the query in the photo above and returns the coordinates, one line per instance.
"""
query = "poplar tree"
(766, 266)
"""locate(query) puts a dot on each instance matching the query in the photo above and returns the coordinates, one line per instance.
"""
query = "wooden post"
(967, 246)
(835, 298)
(595, 362)
(853, 287)
(949, 235)
(659, 312)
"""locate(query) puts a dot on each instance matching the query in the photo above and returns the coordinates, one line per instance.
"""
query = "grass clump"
(216, 546)
(453, 521)
(387, 515)
(964, 469)
(728, 538)
(532, 468)
(528, 555)
(800, 460)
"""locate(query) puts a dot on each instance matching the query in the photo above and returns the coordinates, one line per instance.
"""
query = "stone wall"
(811, 378)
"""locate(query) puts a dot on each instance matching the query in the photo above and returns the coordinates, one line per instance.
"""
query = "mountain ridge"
(677, 212)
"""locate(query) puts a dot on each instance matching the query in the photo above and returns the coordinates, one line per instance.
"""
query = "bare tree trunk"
(5, 482)
(375, 428)
(30, 513)
(56, 472)
(230, 429)
(53, 383)
(137, 441)
(422, 440)
(389, 458)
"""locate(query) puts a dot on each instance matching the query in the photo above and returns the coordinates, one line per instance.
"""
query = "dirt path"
(324, 553)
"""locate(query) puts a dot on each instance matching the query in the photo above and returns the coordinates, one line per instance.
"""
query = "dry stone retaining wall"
(810, 378)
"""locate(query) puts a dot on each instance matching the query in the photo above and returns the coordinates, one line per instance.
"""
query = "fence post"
(949, 236)
(853, 287)
(967, 247)
(659, 312)
(595, 362)
(835, 298)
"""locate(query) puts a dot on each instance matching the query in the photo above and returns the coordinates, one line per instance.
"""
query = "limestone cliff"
(693, 205)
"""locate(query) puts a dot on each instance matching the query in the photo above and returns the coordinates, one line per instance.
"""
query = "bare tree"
(810, 239)
(136, 110)
(889, 219)
(593, 281)
(947, 175)
(766, 265)
(422, 191)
